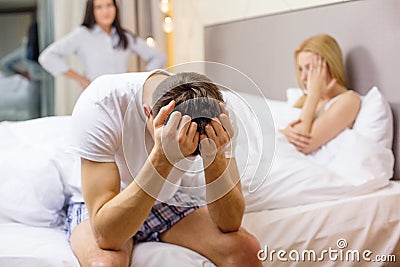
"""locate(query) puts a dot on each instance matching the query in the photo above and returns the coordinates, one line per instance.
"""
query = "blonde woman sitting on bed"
(329, 106)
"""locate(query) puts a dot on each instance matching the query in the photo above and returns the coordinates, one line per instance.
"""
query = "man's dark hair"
(194, 94)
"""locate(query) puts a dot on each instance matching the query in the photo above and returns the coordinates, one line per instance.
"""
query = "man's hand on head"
(178, 138)
(218, 134)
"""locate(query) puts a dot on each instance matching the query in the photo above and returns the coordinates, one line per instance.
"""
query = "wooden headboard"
(368, 32)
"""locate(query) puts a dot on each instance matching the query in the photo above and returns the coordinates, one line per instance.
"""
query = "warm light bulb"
(164, 6)
(168, 25)
(150, 41)
(168, 20)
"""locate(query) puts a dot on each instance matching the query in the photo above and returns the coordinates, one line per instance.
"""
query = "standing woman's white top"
(101, 45)
(98, 53)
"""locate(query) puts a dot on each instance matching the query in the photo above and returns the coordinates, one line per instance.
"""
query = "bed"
(355, 219)
(19, 98)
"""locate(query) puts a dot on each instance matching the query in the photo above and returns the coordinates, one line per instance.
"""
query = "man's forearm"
(226, 203)
(121, 217)
(227, 212)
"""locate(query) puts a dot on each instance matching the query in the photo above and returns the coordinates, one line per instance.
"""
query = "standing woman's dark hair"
(89, 21)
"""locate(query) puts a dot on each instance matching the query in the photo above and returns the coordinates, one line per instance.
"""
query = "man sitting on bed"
(121, 179)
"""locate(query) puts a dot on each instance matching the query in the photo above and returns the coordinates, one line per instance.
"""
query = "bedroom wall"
(190, 17)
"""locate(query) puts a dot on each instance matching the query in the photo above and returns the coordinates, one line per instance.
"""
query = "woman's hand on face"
(319, 78)
(296, 137)
(178, 138)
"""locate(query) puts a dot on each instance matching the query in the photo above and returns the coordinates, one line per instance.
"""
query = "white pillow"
(375, 119)
(32, 189)
(283, 113)
(293, 94)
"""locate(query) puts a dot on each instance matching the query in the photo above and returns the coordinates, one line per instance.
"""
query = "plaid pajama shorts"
(161, 218)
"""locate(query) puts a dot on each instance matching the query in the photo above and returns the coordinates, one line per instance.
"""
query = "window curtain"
(45, 20)
(67, 16)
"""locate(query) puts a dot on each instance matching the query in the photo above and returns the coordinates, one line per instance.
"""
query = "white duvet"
(348, 165)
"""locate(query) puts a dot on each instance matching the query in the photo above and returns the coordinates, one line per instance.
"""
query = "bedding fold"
(349, 165)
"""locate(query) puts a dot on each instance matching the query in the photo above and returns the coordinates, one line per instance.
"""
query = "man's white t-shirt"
(97, 123)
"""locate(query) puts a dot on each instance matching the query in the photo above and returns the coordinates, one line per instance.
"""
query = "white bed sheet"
(369, 221)
(347, 166)
(366, 222)
(24, 245)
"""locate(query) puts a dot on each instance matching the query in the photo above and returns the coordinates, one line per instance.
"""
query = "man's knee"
(242, 247)
(107, 262)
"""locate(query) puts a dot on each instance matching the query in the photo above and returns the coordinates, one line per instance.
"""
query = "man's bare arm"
(116, 216)
(224, 195)
(227, 211)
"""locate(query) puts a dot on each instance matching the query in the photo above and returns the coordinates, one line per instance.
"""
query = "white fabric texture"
(34, 246)
(366, 222)
(293, 94)
(97, 125)
(255, 141)
(283, 113)
(316, 226)
(375, 119)
(155, 254)
(296, 179)
(42, 246)
(32, 185)
(95, 51)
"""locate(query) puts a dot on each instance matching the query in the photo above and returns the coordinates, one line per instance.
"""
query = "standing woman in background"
(101, 45)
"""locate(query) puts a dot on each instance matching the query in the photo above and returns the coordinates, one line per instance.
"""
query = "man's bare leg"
(89, 254)
(198, 232)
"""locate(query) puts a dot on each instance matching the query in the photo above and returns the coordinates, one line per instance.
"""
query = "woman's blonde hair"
(327, 47)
